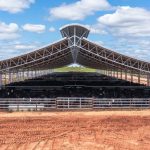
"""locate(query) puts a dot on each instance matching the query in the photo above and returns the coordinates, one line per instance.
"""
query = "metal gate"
(74, 103)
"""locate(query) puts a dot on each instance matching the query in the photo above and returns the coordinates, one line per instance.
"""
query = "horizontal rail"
(37, 104)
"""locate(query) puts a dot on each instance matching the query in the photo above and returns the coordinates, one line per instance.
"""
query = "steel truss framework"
(74, 48)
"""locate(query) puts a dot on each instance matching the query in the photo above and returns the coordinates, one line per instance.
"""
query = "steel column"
(1, 77)
(117, 74)
(131, 76)
(126, 75)
(148, 80)
(121, 74)
(139, 78)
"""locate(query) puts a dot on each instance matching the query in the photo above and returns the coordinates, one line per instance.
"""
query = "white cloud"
(78, 10)
(52, 29)
(96, 29)
(8, 31)
(38, 28)
(15, 48)
(138, 48)
(129, 31)
(15, 6)
(24, 47)
(127, 21)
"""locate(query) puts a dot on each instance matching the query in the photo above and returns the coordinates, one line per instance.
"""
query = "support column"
(32, 74)
(111, 73)
(106, 72)
(10, 77)
(17, 75)
(5, 81)
(28, 74)
(126, 75)
(1, 77)
(114, 73)
(40, 72)
(35, 73)
(23, 75)
(131, 76)
(20, 74)
(139, 77)
(13, 76)
(117, 74)
(148, 80)
(121, 74)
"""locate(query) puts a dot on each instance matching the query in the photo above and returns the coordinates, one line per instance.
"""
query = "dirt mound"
(75, 131)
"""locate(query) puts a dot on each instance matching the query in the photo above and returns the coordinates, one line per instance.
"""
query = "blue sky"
(121, 25)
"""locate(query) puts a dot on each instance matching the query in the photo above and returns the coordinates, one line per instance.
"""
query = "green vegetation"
(74, 69)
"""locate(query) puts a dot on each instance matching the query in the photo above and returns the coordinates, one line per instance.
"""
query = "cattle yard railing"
(64, 103)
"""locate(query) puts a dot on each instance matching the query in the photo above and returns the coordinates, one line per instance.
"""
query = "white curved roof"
(74, 24)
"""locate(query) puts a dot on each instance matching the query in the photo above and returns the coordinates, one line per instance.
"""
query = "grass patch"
(74, 69)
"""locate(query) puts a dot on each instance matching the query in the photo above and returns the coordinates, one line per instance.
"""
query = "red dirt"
(105, 130)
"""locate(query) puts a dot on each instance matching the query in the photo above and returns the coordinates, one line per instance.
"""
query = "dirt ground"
(89, 130)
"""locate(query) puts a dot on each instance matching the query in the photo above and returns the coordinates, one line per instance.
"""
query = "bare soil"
(89, 130)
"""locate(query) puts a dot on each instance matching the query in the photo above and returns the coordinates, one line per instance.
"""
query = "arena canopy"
(74, 47)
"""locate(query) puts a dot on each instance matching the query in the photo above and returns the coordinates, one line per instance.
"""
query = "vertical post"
(117, 74)
(132, 77)
(139, 76)
(126, 75)
(40, 73)
(80, 103)
(12, 76)
(111, 72)
(35, 73)
(68, 102)
(108, 72)
(17, 75)
(32, 74)
(5, 78)
(17, 107)
(27, 74)
(23, 75)
(121, 74)
(1, 79)
(9, 77)
(148, 78)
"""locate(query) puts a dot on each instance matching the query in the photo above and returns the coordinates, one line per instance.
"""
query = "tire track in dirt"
(75, 132)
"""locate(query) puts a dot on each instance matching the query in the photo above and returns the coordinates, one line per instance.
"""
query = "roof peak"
(74, 29)
(75, 24)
